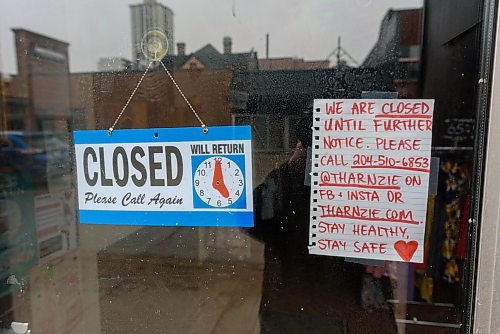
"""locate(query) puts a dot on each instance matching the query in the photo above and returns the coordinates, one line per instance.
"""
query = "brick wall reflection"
(156, 103)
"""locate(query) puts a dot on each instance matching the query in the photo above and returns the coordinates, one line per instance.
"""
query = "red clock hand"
(218, 180)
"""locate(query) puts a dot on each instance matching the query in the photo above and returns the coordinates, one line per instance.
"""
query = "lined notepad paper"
(370, 178)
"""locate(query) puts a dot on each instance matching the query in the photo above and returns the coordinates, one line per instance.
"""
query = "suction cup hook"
(154, 45)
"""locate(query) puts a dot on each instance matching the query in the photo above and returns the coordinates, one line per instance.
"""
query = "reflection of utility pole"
(4, 106)
(3, 96)
(267, 46)
(340, 52)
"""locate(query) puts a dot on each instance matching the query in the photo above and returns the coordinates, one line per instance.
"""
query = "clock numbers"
(218, 181)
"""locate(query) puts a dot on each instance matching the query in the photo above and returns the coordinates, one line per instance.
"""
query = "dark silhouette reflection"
(305, 293)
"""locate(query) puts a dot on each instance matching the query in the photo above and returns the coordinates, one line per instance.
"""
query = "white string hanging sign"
(154, 46)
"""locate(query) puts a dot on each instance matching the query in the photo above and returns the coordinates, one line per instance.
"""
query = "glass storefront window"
(74, 65)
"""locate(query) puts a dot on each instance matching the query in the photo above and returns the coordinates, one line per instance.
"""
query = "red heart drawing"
(406, 249)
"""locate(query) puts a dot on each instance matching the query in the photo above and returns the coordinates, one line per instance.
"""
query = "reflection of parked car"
(35, 153)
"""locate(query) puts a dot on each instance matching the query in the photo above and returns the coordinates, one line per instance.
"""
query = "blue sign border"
(215, 133)
(168, 218)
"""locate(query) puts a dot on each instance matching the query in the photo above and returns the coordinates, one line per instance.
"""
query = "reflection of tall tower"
(148, 16)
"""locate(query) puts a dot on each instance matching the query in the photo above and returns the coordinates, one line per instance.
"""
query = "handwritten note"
(370, 176)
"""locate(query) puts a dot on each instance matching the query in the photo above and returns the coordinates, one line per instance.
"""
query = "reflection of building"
(278, 104)
(43, 79)
(35, 165)
(398, 48)
(451, 52)
(269, 64)
(97, 98)
(13, 108)
(148, 16)
(209, 58)
(113, 64)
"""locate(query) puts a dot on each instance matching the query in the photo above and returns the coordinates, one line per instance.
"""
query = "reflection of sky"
(301, 28)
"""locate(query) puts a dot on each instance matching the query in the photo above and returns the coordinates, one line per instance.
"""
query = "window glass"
(80, 65)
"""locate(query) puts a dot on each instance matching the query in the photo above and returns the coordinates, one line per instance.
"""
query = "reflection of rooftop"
(208, 57)
(398, 48)
(40, 36)
(288, 63)
(399, 37)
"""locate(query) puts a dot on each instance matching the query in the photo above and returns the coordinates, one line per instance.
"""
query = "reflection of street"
(155, 281)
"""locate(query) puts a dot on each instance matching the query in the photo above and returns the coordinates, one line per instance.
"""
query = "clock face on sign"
(218, 181)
